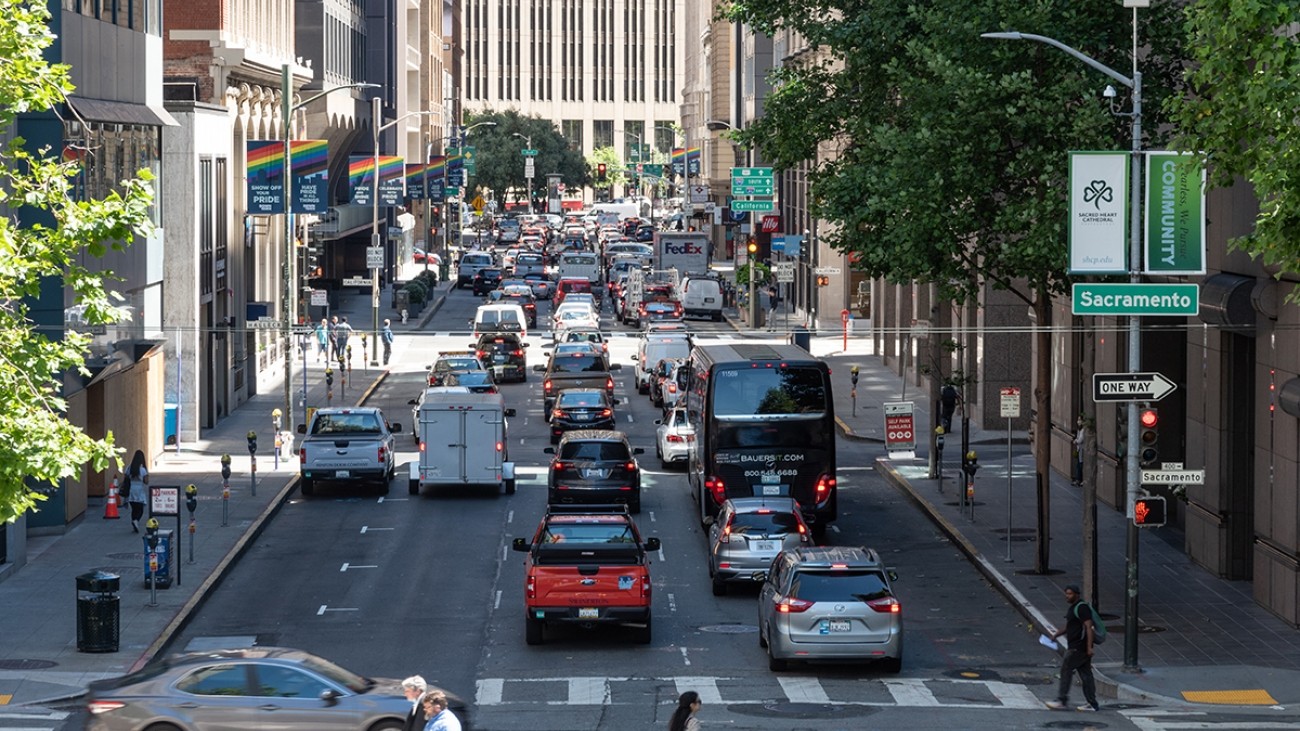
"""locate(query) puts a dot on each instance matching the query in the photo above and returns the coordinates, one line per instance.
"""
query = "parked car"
(833, 604)
(673, 438)
(594, 466)
(581, 408)
(747, 535)
(250, 687)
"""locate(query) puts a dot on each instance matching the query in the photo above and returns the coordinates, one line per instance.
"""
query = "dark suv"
(503, 354)
(594, 466)
(487, 279)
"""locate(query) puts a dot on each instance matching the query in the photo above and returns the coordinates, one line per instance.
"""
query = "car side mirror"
(636, 358)
(539, 368)
(509, 412)
(521, 544)
(524, 344)
(330, 697)
(472, 345)
(413, 402)
(657, 421)
(638, 450)
(396, 428)
(892, 574)
(549, 450)
(616, 366)
(652, 544)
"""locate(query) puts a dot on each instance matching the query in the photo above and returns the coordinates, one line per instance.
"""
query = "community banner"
(437, 178)
(265, 164)
(1175, 214)
(1099, 212)
(310, 176)
(415, 181)
(683, 156)
(455, 168)
(361, 179)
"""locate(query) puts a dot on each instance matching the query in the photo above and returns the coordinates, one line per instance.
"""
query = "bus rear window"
(750, 392)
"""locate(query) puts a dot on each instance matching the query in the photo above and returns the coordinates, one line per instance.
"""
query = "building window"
(634, 142)
(221, 223)
(206, 230)
(664, 135)
(572, 131)
(602, 133)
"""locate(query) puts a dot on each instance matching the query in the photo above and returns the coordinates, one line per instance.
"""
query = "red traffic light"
(600, 171)
(1149, 512)
(1149, 418)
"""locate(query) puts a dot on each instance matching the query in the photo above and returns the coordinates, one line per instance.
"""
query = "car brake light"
(607, 412)
(791, 605)
(645, 585)
(302, 456)
(547, 387)
(672, 388)
(530, 588)
(825, 483)
(383, 454)
(97, 707)
(499, 446)
(609, 384)
(557, 413)
(421, 446)
(886, 605)
(557, 465)
(717, 488)
(726, 532)
(517, 352)
(673, 438)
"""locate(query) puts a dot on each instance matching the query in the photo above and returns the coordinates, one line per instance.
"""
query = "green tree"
(1245, 59)
(500, 160)
(39, 447)
(613, 169)
(951, 150)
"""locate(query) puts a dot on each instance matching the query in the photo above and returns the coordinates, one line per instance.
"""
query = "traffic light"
(1121, 431)
(753, 247)
(600, 172)
(1149, 422)
(1149, 511)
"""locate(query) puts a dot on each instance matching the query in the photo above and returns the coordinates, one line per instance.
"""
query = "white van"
(579, 265)
(701, 297)
(463, 441)
(470, 264)
(654, 346)
(500, 319)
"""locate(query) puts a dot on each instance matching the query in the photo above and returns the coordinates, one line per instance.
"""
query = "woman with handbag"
(137, 482)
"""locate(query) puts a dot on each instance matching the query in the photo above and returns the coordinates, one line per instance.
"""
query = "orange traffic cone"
(110, 505)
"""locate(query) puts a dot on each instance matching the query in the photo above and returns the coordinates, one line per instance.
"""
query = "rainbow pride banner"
(361, 178)
(392, 180)
(265, 162)
(310, 176)
(437, 178)
(682, 155)
(415, 186)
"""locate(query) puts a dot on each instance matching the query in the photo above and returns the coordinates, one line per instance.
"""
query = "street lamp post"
(287, 108)
(1134, 323)
(464, 133)
(376, 111)
(528, 140)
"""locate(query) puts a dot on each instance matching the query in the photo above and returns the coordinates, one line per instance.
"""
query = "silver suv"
(833, 604)
(747, 535)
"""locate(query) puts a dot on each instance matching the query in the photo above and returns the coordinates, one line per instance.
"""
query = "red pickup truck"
(586, 565)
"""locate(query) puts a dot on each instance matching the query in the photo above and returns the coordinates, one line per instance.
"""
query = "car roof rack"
(617, 508)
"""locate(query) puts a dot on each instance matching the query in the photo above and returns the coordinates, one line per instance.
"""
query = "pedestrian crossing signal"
(823, 280)
(1149, 512)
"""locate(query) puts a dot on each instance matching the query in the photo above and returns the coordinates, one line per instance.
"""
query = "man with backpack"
(1082, 632)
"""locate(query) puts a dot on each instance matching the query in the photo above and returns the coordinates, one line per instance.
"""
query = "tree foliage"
(500, 160)
(613, 168)
(1245, 62)
(39, 447)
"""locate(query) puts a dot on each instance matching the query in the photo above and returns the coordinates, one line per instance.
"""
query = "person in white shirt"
(414, 689)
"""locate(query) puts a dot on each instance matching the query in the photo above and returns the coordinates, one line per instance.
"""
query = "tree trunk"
(1042, 427)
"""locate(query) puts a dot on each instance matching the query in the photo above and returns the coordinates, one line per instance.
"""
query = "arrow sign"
(1131, 386)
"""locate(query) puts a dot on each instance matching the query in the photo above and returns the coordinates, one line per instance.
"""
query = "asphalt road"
(391, 585)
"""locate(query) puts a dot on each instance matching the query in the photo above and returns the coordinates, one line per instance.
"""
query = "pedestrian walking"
(440, 717)
(414, 689)
(323, 338)
(773, 301)
(688, 704)
(136, 484)
(1079, 636)
(1080, 438)
(341, 333)
(333, 355)
(387, 336)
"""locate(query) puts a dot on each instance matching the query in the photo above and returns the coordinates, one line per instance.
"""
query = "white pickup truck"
(347, 445)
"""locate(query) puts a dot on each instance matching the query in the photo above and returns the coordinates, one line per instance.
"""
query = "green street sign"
(746, 173)
(451, 191)
(754, 206)
(739, 190)
(529, 153)
(1136, 299)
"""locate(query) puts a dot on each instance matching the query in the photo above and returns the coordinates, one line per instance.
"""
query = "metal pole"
(1008, 558)
(286, 306)
(376, 109)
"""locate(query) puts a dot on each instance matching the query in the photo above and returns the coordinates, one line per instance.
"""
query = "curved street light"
(290, 276)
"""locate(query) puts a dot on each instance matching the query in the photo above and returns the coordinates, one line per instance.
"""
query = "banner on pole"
(361, 179)
(265, 163)
(1099, 212)
(392, 180)
(310, 176)
(1175, 214)
(415, 177)
(437, 178)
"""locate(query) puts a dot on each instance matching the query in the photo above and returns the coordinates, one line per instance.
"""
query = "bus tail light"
(825, 484)
(717, 488)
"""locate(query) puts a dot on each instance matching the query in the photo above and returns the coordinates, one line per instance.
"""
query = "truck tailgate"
(589, 586)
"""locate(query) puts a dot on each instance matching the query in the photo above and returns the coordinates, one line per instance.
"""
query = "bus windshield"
(747, 393)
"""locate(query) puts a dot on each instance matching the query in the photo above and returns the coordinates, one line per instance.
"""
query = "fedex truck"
(685, 251)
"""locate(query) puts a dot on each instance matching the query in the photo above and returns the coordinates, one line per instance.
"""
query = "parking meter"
(252, 442)
(191, 500)
(275, 418)
(225, 468)
(853, 375)
(972, 464)
(938, 439)
(252, 462)
(225, 489)
(329, 377)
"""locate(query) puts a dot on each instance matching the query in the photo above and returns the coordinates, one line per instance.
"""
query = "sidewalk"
(39, 660)
(1201, 639)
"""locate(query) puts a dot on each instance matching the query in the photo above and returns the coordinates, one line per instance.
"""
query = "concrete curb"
(1105, 684)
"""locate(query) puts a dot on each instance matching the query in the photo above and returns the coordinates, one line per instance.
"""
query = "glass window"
(602, 133)
(596, 451)
(572, 130)
(769, 391)
(839, 586)
(224, 680)
(771, 523)
(282, 682)
(578, 362)
(634, 142)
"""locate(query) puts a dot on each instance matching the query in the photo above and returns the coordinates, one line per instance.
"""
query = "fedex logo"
(683, 248)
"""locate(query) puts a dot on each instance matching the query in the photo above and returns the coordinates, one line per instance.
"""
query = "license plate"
(773, 489)
(764, 546)
(342, 474)
(593, 613)
(771, 479)
(584, 417)
(840, 625)
(499, 359)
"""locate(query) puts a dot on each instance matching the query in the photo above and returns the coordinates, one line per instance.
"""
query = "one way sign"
(1130, 386)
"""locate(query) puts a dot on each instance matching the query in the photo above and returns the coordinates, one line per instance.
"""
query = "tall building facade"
(606, 73)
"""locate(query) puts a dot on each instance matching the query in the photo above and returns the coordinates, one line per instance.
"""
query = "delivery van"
(493, 319)
(701, 297)
(463, 441)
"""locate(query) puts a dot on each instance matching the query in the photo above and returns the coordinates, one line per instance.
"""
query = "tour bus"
(764, 422)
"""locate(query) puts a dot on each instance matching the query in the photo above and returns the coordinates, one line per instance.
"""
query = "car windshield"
(346, 678)
(751, 392)
(578, 362)
(457, 364)
(576, 314)
(595, 451)
(840, 585)
(764, 523)
(599, 533)
(578, 399)
(472, 378)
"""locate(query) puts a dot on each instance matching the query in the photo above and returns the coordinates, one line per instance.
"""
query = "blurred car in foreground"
(250, 688)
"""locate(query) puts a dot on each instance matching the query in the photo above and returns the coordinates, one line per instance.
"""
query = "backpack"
(1098, 627)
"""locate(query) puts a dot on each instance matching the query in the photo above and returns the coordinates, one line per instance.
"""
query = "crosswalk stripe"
(489, 691)
(1011, 695)
(588, 691)
(803, 690)
(910, 692)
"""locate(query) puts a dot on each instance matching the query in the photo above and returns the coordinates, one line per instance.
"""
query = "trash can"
(800, 336)
(98, 612)
(401, 300)
(164, 550)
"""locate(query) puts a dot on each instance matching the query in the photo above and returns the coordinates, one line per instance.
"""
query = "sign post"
(1010, 402)
(900, 430)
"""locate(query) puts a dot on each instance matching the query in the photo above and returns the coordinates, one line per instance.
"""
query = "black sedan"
(252, 687)
(487, 279)
(581, 408)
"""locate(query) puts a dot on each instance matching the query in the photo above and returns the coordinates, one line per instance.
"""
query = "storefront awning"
(103, 110)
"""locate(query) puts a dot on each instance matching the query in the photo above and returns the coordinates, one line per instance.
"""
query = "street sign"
(699, 193)
(784, 276)
(752, 181)
(374, 257)
(759, 206)
(900, 429)
(529, 153)
(1131, 386)
(356, 282)
(266, 324)
(751, 175)
(1010, 402)
(528, 168)
(1136, 299)
(783, 266)
(478, 203)
(320, 298)
(1173, 477)
(826, 270)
